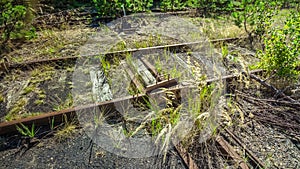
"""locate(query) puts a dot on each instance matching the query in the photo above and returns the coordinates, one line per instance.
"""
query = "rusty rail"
(230, 151)
(165, 84)
(254, 160)
(43, 119)
(186, 157)
(58, 117)
(72, 59)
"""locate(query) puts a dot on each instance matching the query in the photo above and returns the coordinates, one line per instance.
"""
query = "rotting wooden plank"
(152, 69)
(230, 151)
(100, 88)
(133, 78)
(45, 119)
(146, 75)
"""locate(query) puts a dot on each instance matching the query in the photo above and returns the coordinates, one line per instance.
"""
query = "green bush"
(171, 5)
(282, 49)
(212, 6)
(115, 7)
(254, 15)
(12, 20)
(138, 6)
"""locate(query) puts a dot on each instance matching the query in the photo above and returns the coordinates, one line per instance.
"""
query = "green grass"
(16, 110)
(149, 41)
(67, 130)
(26, 131)
(2, 98)
(39, 102)
(280, 18)
(64, 104)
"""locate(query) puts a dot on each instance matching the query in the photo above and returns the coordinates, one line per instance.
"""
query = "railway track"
(225, 140)
(87, 16)
(45, 119)
(181, 47)
(58, 117)
(146, 90)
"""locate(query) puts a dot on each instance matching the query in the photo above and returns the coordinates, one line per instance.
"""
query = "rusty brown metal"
(278, 92)
(173, 47)
(188, 160)
(251, 156)
(43, 119)
(230, 151)
(232, 76)
(162, 84)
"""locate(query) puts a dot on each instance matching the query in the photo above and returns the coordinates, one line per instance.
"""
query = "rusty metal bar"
(43, 119)
(230, 151)
(189, 162)
(278, 92)
(257, 71)
(112, 54)
(252, 157)
(165, 84)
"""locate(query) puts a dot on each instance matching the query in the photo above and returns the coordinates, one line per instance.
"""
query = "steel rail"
(185, 156)
(72, 59)
(59, 117)
(228, 149)
(44, 119)
(254, 160)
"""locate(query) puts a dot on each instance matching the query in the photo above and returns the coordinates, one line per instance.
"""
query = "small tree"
(255, 15)
(11, 19)
(282, 49)
(15, 24)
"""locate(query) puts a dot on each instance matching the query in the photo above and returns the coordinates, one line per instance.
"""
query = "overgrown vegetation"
(67, 130)
(279, 55)
(254, 15)
(14, 23)
(282, 46)
(26, 131)
(121, 7)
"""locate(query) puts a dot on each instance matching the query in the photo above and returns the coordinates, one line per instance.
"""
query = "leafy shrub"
(138, 6)
(108, 7)
(207, 5)
(12, 21)
(282, 49)
(210, 6)
(115, 7)
(254, 13)
(171, 5)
